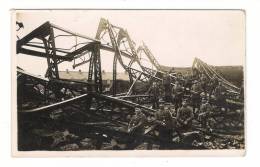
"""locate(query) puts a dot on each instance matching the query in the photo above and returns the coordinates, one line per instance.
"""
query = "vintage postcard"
(128, 83)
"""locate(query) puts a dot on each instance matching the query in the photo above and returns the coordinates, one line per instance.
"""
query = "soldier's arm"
(130, 125)
(191, 116)
(179, 116)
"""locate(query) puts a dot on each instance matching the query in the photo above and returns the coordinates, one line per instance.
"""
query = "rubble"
(69, 115)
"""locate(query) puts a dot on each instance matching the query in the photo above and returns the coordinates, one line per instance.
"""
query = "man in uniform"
(195, 95)
(213, 83)
(137, 122)
(166, 124)
(204, 82)
(205, 110)
(184, 119)
(154, 94)
(184, 116)
(220, 94)
(167, 88)
(136, 127)
(178, 95)
(187, 84)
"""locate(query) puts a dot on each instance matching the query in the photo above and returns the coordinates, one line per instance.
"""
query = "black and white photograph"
(125, 80)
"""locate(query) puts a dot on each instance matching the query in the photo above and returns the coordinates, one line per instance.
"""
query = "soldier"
(166, 124)
(184, 116)
(178, 95)
(220, 94)
(187, 83)
(195, 95)
(172, 70)
(213, 83)
(204, 82)
(180, 78)
(167, 88)
(205, 110)
(136, 124)
(154, 94)
(136, 128)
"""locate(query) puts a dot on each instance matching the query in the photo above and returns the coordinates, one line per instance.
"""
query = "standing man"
(154, 94)
(178, 95)
(166, 124)
(205, 110)
(184, 118)
(167, 88)
(204, 82)
(213, 83)
(195, 95)
(220, 94)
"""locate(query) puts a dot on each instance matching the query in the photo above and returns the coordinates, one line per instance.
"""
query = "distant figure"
(205, 110)
(180, 78)
(172, 70)
(213, 83)
(178, 95)
(220, 94)
(184, 116)
(155, 94)
(166, 125)
(195, 95)
(204, 82)
(167, 88)
(136, 128)
(187, 83)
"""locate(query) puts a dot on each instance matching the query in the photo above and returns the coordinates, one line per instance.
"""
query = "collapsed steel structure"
(89, 52)
(54, 93)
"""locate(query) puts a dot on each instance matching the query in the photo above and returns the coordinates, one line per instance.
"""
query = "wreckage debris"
(154, 109)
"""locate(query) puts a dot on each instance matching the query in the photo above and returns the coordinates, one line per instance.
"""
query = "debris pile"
(155, 109)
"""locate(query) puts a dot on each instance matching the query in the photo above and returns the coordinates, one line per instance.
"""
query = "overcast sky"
(175, 37)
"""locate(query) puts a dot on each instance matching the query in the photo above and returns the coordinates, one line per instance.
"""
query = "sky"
(175, 37)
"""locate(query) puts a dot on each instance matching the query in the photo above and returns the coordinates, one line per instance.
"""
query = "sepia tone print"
(130, 80)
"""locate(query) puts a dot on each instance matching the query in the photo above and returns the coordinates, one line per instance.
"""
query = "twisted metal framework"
(210, 72)
(88, 96)
(41, 42)
(60, 93)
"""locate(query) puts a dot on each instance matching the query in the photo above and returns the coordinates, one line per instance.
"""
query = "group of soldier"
(180, 100)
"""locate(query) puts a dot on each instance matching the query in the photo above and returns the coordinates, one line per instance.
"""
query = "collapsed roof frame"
(209, 72)
(45, 33)
(53, 56)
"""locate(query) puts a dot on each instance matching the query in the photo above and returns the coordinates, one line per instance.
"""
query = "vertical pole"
(55, 69)
(97, 68)
(114, 75)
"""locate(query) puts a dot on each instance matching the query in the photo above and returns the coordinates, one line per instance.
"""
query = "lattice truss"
(58, 45)
(211, 72)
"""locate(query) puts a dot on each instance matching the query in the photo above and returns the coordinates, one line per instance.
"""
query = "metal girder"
(41, 54)
(149, 55)
(54, 106)
(209, 72)
(97, 69)
(54, 56)
(84, 97)
(52, 71)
